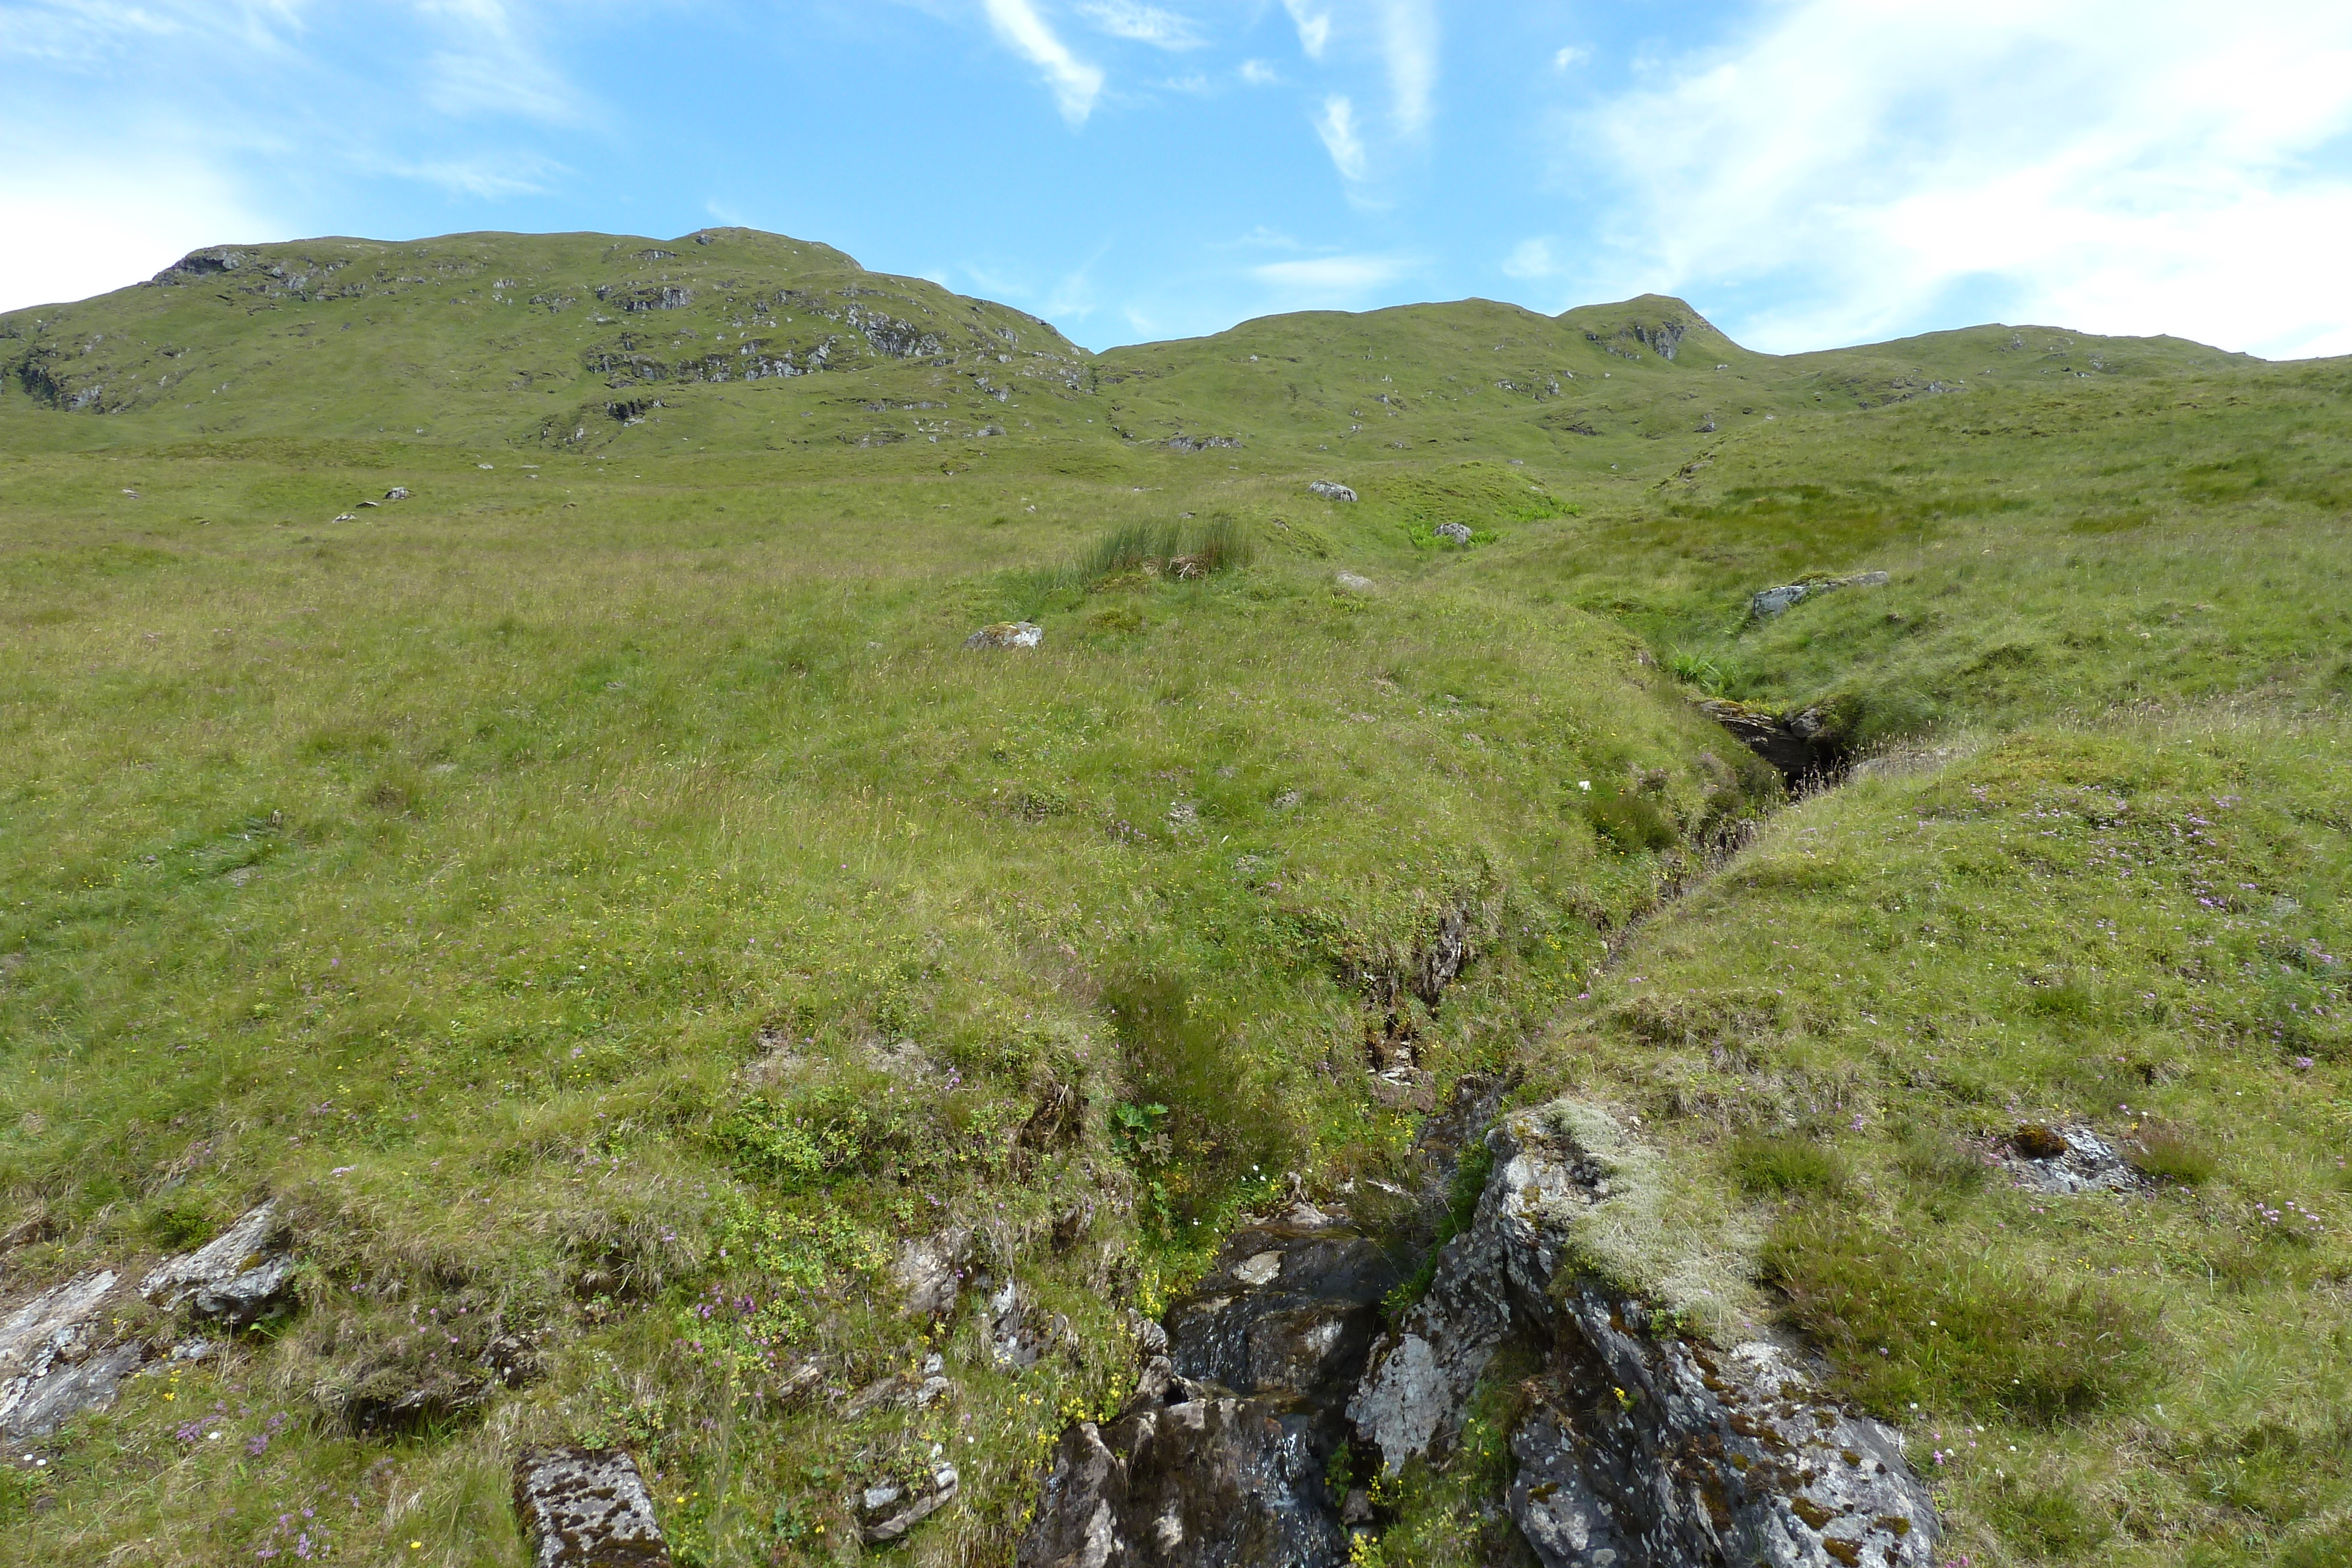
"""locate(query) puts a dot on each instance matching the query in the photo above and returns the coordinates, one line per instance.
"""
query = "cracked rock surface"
(586, 1507)
(1647, 1447)
(59, 1355)
(234, 1278)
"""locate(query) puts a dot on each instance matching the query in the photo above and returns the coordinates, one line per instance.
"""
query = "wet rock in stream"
(1218, 1458)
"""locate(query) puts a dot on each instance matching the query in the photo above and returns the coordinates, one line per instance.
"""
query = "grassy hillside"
(600, 894)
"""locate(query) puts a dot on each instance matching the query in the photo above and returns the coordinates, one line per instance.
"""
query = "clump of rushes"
(2169, 1152)
(1927, 1319)
(1778, 1166)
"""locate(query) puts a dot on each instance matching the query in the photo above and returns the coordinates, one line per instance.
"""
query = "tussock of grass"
(1917, 1324)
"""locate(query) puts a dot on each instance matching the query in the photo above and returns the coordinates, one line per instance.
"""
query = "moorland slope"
(598, 899)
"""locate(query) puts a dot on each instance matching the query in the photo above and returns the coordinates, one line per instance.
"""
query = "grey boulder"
(1007, 634)
(586, 1507)
(1331, 491)
(235, 1278)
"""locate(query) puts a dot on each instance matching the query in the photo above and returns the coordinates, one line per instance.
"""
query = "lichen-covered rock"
(1016, 1334)
(59, 1355)
(235, 1278)
(1647, 1443)
(2066, 1159)
(1007, 634)
(1331, 490)
(1458, 533)
(1352, 582)
(930, 1270)
(586, 1507)
(1766, 604)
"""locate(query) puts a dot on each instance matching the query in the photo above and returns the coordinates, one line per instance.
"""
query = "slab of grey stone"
(235, 1278)
(1331, 490)
(59, 1355)
(586, 1507)
(1007, 634)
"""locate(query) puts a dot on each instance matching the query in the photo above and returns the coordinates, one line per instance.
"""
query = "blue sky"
(1808, 173)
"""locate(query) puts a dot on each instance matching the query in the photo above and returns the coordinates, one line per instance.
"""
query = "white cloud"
(1531, 259)
(1314, 25)
(1337, 277)
(2127, 166)
(1258, 73)
(1076, 85)
(1409, 40)
(1145, 24)
(487, 178)
(1573, 55)
(1336, 126)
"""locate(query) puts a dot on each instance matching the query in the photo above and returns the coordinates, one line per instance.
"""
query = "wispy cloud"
(1531, 259)
(486, 177)
(1259, 73)
(1573, 55)
(2117, 166)
(1145, 24)
(1076, 85)
(1409, 41)
(1336, 126)
(1314, 25)
(1345, 276)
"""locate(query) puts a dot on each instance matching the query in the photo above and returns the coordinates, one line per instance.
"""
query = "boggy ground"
(602, 900)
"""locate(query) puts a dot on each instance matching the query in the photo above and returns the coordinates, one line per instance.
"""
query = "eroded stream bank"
(1641, 1439)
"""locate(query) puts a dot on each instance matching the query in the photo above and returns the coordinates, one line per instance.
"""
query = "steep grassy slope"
(603, 898)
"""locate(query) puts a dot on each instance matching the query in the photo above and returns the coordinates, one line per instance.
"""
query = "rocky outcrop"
(1331, 490)
(1646, 1445)
(1766, 604)
(1803, 748)
(931, 1270)
(235, 1278)
(60, 1354)
(1454, 533)
(888, 1509)
(1007, 634)
(1219, 1459)
(586, 1507)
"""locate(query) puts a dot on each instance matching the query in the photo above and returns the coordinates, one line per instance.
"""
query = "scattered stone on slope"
(586, 1507)
(60, 1354)
(1459, 533)
(397, 493)
(931, 1270)
(1766, 604)
(888, 1509)
(1331, 491)
(1007, 634)
(1017, 1333)
(233, 1279)
(1350, 583)
(1645, 1444)
(2057, 1159)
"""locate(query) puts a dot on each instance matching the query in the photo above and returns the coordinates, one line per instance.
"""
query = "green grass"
(604, 899)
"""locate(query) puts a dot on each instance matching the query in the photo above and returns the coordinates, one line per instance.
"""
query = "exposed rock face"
(57, 1356)
(1219, 1459)
(1647, 1445)
(1007, 634)
(1766, 604)
(929, 1268)
(1801, 746)
(1331, 491)
(586, 1507)
(1017, 1333)
(233, 1279)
